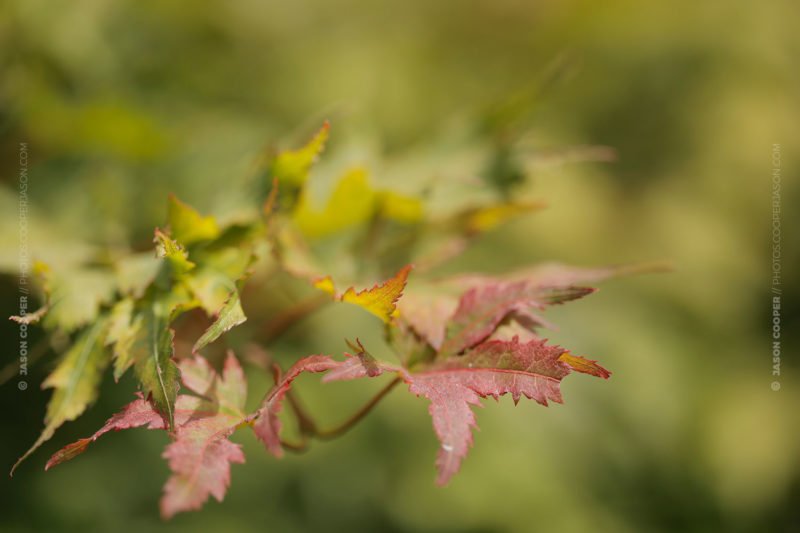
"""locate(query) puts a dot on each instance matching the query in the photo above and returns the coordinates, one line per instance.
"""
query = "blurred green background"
(121, 102)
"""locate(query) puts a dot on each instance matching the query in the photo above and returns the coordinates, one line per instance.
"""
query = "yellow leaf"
(351, 203)
(291, 167)
(489, 217)
(325, 284)
(186, 225)
(396, 206)
(380, 300)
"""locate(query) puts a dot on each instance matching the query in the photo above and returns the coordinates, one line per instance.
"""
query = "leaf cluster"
(457, 339)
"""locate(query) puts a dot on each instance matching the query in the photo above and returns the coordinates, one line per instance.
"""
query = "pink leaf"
(427, 315)
(200, 454)
(138, 413)
(229, 390)
(200, 459)
(267, 426)
(455, 384)
(482, 309)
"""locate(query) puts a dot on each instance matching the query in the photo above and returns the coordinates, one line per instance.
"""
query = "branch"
(305, 423)
(300, 447)
(308, 428)
(358, 415)
(12, 369)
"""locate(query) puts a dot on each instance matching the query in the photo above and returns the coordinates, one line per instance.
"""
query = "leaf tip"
(325, 284)
(583, 365)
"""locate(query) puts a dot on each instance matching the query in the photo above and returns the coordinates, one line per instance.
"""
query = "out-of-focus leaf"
(187, 226)
(72, 298)
(351, 203)
(354, 202)
(173, 253)
(44, 276)
(233, 253)
(123, 329)
(399, 207)
(135, 272)
(75, 381)
(451, 322)
(427, 313)
(77, 297)
(293, 254)
(119, 320)
(481, 310)
(289, 169)
(489, 217)
(557, 275)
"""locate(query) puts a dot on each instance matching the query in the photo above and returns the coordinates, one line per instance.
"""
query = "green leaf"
(123, 328)
(187, 226)
(135, 272)
(230, 316)
(151, 353)
(75, 382)
(481, 219)
(72, 298)
(221, 264)
(174, 254)
(119, 321)
(351, 203)
(291, 167)
(211, 288)
(288, 170)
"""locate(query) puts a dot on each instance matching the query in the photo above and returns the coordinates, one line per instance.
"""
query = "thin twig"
(361, 413)
(305, 423)
(34, 354)
(300, 447)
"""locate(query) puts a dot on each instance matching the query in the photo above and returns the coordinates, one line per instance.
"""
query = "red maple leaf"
(200, 454)
(451, 326)
(453, 384)
(265, 421)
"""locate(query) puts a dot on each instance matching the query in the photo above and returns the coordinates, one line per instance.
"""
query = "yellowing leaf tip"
(325, 284)
(586, 366)
(381, 299)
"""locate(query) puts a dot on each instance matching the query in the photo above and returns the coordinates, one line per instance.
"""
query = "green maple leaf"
(75, 382)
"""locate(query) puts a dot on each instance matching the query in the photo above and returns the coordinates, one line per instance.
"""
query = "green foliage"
(449, 334)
